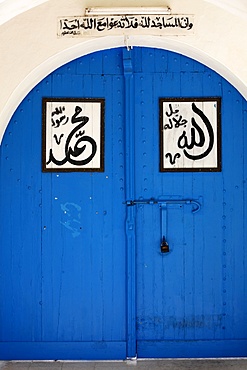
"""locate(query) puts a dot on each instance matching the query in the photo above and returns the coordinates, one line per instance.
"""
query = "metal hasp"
(163, 203)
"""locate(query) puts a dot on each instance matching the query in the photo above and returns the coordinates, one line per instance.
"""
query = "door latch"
(163, 204)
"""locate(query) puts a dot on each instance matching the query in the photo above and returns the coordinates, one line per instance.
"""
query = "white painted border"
(108, 42)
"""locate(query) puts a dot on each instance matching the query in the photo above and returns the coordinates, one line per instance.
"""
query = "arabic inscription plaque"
(190, 135)
(73, 135)
(126, 25)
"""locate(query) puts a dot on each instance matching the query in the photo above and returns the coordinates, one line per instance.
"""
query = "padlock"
(164, 247)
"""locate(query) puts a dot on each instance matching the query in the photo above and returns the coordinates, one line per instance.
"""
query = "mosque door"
(130, 256)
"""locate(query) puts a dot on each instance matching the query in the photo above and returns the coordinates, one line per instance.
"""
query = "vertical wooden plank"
(85, 65)
(146, 247)
(112, 211)
(161, 62)
(137, 59)
(191, 85)
(115, 234)
(130, 195)
(6, 261)
(173, 186)
(243, 262)
(213, 231)
(112, 63)
(174, 62)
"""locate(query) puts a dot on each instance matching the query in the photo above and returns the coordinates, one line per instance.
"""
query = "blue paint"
(82, 276)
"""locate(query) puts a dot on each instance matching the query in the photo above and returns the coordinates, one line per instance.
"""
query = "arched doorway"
(84, 275)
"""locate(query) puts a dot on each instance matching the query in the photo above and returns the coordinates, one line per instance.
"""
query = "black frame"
(102, 134)
(218, 168)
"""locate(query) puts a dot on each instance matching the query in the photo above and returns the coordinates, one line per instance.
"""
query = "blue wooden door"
(82, 273)
(191, 302)
(63, 236)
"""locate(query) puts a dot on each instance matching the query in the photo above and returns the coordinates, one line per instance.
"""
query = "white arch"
(11, 8)
(103, 43)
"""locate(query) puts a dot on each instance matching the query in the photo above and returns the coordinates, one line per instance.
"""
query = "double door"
(129, 259)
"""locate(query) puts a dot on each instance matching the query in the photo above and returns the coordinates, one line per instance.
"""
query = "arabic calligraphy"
(73, 135)
(183, 140)
(77, 26)
(172, 159)
(174, 117)
(74, 151)
(190, 134)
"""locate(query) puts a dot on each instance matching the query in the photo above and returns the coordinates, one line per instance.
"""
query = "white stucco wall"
(30, 49)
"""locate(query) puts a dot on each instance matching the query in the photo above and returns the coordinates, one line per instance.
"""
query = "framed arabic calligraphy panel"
(190, 134)
(73, 134)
